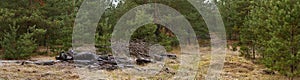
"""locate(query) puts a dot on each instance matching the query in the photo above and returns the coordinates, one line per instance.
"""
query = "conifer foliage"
(267, 31)
(270, 33)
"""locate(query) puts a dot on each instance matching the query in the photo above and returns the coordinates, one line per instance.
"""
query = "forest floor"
(235, 68)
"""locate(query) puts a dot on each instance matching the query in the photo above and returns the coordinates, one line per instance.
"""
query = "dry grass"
(239, 68)
(235, 68)
(34, 72)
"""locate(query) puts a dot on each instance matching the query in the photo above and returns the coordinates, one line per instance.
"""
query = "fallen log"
(12, 61)
(23, 62)
(141, 61)
(45, 62)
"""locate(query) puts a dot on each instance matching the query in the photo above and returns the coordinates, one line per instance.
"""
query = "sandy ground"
(235, 68)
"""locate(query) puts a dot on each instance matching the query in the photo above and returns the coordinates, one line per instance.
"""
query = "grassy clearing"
(235, 68)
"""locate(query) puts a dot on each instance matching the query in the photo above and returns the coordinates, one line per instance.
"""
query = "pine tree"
(276, 34)
(18, 47)
(233, 13)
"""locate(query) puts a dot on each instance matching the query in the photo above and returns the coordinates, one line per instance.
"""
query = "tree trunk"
(157, 32)
(253, 51)
(293, 66)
